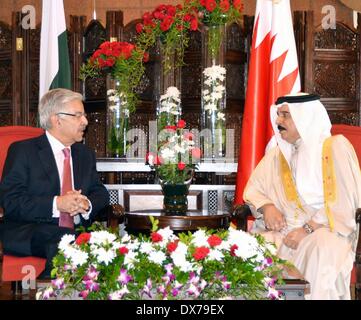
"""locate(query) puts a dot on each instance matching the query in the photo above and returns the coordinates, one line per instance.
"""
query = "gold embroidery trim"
(288, 184)
(329, 180)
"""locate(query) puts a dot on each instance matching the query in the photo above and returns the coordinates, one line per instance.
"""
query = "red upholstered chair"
(243, 218)
(12, 267)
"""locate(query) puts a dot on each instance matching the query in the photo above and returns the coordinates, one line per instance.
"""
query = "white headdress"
(314, 126)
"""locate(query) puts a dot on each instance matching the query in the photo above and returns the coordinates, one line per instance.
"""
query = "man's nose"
(85, 121)
(278, 120)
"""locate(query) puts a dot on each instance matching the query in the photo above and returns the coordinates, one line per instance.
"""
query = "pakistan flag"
(54, 54)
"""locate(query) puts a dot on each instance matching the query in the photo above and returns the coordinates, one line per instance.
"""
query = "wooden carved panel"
(33, 118)
(350, 118)
(95, 134)
(5, 79)
(235, 38)
(129, 32)
(235, 81)
(5, 118)
(335, 79)
(340, 38)
(5, 37)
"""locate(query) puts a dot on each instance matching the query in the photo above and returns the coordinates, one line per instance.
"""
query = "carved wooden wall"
(329, 63)
(332, 69)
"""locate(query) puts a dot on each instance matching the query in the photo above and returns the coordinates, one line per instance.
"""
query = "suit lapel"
(47, 161)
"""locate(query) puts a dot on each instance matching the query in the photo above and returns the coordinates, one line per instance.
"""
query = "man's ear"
(55, 121)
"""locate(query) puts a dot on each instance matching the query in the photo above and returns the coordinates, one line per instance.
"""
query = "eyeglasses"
(76, 114)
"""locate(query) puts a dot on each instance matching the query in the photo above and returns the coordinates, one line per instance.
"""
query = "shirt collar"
(55, 144)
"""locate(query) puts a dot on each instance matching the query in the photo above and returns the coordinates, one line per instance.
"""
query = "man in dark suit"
(50, 185)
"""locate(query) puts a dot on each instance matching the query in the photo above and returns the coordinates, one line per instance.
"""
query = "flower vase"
(175, 201)
(213, 96)
(117, 120)
(168, 78)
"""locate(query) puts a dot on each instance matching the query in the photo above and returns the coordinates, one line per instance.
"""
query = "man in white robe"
(304, 194)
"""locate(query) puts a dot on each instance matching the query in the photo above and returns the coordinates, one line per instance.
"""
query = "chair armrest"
(240, 214)
(115, 215)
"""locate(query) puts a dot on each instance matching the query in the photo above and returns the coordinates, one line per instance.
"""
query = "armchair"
(12, 266)
(242, 215)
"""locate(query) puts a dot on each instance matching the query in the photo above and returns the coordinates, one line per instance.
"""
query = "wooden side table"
(192, 220)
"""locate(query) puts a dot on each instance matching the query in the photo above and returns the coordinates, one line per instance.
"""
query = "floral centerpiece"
(202, 265)
(123, 64)
(216, 13)
(169, 24)
(175, 162)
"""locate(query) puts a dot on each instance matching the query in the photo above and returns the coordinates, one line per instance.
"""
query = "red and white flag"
(273, 72)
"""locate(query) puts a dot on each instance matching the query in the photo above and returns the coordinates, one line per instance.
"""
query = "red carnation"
(214, 241)
(211, 5)
(139, 27)
(156, 237)
(146, 57)
(233, 249)
(166, 23)
(171, 128)
(194, 24)
(224, 4)
(172, 246)
(200, 253)
(238, 4)
(181, 165)
(83, 238)
(123, 250)
(181, 124)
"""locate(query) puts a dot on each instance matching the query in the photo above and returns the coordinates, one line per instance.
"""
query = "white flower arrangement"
(117, 102)
(214, 91)
(205, 264)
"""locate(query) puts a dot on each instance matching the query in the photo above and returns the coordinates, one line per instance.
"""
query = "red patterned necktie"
(65, 220)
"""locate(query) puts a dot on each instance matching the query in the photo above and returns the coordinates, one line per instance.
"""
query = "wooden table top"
(192, 220)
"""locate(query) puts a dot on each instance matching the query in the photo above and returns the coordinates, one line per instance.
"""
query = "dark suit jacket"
(30, 181)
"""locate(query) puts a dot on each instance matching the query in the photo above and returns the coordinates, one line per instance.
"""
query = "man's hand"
(273, 218)
(73, 202)
(294, 237)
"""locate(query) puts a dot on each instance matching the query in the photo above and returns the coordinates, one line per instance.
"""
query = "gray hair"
(52, 102)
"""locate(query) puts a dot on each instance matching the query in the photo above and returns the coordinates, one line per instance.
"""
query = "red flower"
(166, 23)
(83, 238)
(146, 57)
(181, 165)
(123, 250)
(224, 4)
(172, 246)
(156, 237)
(200, 253)
(211, 5)
(194, 24)
(214, 241)
(181, 124)
(233, 249)
(139, 27)
(238, 4)
(171, 128)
